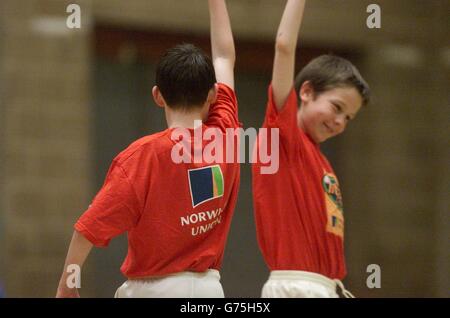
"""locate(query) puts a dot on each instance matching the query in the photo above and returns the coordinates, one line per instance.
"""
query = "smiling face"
(327, 114)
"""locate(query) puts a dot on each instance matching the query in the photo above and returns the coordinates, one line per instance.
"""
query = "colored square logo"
(205, 184)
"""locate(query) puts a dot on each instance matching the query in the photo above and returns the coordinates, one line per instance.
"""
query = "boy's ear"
(306, 93)
(157, 97)
(212, 94)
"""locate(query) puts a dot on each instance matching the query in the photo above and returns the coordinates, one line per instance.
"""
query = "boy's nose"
(340, 122)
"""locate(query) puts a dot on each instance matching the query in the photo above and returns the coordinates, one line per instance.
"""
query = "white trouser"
(179, 285)
(301, 284)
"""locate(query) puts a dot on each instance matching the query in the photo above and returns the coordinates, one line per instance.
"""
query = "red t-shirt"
(177, 215)
(298, 209)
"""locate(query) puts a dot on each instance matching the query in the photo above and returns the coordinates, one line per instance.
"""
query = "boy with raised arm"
(177, 215)
(298, 209)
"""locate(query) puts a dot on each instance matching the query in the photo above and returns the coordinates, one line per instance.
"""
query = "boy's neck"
(183, 119)
(300, 123)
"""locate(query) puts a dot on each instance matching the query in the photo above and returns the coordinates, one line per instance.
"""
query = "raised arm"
(285, 48)
(78, 251)
(222, 44)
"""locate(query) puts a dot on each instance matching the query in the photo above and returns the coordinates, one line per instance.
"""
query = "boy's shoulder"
(146, 147)
(224, 88)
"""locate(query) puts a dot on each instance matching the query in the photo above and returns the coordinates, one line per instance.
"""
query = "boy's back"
(177, 214)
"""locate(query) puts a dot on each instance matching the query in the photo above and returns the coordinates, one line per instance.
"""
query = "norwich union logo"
(331, 187)
(333, 202)
(205, 184)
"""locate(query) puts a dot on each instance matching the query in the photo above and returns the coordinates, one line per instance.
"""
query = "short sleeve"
(113, 211)
(285, 120)
(224, 112)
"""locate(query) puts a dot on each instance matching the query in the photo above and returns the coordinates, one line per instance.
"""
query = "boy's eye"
(337, 107)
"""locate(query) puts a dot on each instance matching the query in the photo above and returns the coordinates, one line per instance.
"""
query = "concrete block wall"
(45, 104)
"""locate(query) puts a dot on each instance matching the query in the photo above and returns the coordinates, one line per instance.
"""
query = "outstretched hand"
(64, 291)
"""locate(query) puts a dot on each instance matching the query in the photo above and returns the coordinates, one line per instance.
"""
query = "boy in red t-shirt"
(177, 214)
(298, 209)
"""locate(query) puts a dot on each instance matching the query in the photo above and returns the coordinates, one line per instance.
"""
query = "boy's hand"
(65, 292)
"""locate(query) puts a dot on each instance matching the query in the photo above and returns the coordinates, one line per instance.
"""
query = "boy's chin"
(321, 139)
(318, 137)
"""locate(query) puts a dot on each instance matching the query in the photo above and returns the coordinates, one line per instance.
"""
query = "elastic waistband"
(302, 275)
(311, 277)
(208, 273)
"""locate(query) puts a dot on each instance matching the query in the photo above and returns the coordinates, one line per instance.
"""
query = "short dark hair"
(329, 71)
(184, 76)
